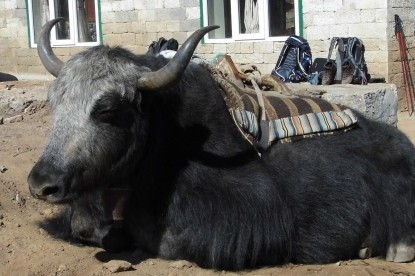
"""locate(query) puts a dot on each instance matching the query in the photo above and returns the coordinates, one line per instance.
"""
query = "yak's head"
(98, 128)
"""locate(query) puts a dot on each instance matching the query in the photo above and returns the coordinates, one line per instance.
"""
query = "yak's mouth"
(114, 201)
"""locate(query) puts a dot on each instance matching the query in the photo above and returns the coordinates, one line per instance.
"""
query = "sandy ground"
(27, 249)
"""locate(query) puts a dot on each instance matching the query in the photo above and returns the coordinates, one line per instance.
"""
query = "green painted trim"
(300, 17)
(201, 18)
(28, 24)
(101, 36)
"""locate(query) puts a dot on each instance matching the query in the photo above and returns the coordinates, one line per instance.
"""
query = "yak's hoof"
(400, 253)
(365, 253)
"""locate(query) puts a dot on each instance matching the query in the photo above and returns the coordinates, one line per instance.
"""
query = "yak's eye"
(115, 111)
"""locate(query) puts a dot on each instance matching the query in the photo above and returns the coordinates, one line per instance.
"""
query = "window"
(251, 19)
(80, 27)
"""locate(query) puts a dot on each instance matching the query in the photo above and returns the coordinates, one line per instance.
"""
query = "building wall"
(134, 24)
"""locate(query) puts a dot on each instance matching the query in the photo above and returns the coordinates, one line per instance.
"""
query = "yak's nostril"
(47, 191)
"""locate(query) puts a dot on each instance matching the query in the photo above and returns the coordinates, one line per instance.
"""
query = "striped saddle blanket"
(288, 118)
(267, 117)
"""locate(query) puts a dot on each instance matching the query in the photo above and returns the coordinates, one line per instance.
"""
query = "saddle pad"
(265, 117)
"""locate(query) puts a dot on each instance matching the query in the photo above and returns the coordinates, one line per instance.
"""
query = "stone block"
(381, 15)
(193, 13)
(106, 6)
(376, 56)
(189, 25)
(317, 32)
(349, 16)
(10, 4)
(161, 27)
(189, 3)
(147, 15)
(278, 47)
(368, 30)
(256, 58)
(219, 48)
(139, 5)
(152, 26)
(111, 39)
(169, 4)
(312, 6)
(372, 44)
(271, 59)
(21, 4)
(332, 5)
(247, 47)
(124, 5)
(148, 38)
(377, 101)
(205, 48)
(171, 14)
(166, 35)
(173, 26)
(19, 13)
(180, 36)
(263, 68)
(233, 48)
(108, 17)
(125, 16)
(128, 39)
(324, 18)
(264, 47)
(364, 5)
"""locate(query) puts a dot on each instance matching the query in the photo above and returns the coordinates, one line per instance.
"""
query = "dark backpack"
(162, 44)
(294, 62)
(350, 54)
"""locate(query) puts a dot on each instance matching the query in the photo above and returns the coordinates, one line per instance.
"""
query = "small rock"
(339, 263)
(62, 268)
(14, 119)
(3, 169)
(18, 105)
(42, 231)
(117, 266)
(1, 215)
(1, 120)
(181, 264)
(19, 199)
(9, 86)
(1, 223)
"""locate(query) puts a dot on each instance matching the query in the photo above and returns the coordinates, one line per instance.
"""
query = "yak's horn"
(46, 55)
(173, 70)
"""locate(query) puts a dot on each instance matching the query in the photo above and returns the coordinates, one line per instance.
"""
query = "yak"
(143, 154)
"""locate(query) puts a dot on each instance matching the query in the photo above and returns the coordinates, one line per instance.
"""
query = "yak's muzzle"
(47, 183)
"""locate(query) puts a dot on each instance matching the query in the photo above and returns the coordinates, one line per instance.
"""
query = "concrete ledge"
(377, 101)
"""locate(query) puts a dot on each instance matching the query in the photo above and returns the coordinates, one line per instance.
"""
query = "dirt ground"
(27, 249)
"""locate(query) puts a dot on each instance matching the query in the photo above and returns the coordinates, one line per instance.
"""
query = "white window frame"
(73, 28)
(263, 34)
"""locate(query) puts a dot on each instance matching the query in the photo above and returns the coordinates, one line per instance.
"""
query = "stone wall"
(134, 24)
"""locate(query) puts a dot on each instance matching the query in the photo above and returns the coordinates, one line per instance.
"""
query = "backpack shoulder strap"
(283, 54)
(333, 44)
(355, 51)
